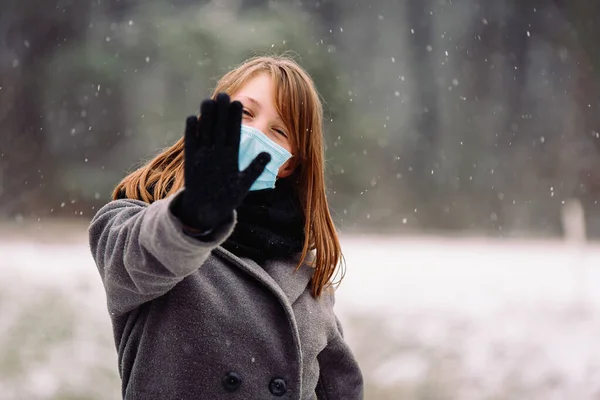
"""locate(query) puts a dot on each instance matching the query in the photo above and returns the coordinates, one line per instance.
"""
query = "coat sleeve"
(142, 252)
(340, 376)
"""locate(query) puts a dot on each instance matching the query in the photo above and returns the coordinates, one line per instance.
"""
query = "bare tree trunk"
(31, 36)
(425, 103)
(582, 16)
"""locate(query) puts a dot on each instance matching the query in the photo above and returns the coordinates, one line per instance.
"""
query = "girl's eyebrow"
(253, 101)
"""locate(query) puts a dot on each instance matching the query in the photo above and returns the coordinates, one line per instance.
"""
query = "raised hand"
(214, 185)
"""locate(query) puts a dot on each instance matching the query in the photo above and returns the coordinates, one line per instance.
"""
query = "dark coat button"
(232, 382)
(278, 386)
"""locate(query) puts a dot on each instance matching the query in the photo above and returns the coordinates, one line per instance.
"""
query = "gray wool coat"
(193, 321)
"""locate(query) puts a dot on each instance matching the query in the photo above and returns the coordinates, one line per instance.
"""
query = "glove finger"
(255, 169)
(234, 126)
(207, 122)
(221, 119)
(191, 138)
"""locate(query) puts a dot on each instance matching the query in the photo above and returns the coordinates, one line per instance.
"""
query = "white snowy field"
(429, 318)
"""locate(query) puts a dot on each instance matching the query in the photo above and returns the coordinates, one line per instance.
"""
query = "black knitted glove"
(214, 185)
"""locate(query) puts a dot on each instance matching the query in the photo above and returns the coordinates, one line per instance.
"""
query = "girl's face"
(258, 98)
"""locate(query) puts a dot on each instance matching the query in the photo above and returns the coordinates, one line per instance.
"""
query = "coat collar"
(280, 276)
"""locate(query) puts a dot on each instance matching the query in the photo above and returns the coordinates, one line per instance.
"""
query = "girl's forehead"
(259, 83)
(258, 91)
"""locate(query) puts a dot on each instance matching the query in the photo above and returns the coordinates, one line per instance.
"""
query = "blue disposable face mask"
(252, 143)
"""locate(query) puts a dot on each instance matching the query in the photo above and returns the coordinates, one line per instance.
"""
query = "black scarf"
(270, 224)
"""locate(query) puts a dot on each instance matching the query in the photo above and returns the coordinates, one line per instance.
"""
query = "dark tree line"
(508, 169)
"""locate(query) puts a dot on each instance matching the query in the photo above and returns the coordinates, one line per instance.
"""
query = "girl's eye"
(246, 112)
(282, 133)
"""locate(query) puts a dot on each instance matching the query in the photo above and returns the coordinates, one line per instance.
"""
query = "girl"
(217, 256)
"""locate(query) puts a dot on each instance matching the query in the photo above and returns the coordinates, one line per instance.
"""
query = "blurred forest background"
(471, 115)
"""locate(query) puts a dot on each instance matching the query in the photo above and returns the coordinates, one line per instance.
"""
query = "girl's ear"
(286, 169)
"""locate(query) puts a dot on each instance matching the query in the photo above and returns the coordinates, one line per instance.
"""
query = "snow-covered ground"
(429, 318)
(475, 318)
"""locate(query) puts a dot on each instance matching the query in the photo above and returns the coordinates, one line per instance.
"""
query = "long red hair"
(300, 108)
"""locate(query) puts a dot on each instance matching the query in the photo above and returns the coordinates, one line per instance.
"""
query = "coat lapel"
(293, 282)
(280, 276)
